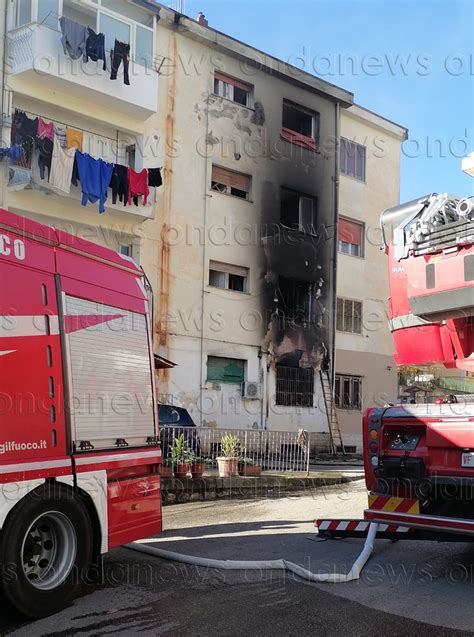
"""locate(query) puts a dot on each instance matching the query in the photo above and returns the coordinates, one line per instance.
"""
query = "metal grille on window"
(294, 386)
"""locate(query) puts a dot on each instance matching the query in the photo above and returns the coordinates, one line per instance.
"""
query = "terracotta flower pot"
(182, 470)
(166, 471)
(197, 470)
(228, 467)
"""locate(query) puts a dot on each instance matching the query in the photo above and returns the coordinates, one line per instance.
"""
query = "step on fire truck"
(419, 459)
(79, 453)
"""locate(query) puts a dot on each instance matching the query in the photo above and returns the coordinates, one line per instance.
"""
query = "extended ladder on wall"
(333, 421)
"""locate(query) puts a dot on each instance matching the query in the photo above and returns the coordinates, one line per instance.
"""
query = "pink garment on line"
(138, 185)
(45, 130)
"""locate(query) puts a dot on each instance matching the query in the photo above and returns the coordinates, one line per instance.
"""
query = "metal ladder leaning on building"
(333, 421)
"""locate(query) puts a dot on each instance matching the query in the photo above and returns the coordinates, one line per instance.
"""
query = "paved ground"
(407, 588)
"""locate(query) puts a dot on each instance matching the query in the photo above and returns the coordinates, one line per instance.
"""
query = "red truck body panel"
(43, 272)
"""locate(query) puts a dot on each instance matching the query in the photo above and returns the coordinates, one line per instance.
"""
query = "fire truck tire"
(45, 551)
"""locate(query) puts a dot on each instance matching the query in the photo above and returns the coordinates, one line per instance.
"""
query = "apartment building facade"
(240, 242)
(365, 371)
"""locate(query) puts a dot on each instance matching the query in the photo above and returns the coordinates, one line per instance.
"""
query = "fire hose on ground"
(281, 564)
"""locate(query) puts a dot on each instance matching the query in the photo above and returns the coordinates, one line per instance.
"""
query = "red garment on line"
(45, 129)
(138, 185)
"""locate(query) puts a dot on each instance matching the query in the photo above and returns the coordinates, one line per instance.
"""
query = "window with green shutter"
(225, 370)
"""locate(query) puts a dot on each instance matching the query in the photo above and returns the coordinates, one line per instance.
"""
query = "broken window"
(228, 277)
(350, 234)
(294, 386)
(349, 316)
(298, 211)
(352, 159)
(233, 89)
(295, 300)
(230, 182)
(348, 391)
(300, 126)
(225, 370)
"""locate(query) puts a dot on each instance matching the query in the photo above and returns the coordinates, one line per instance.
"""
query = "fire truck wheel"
(45, 551)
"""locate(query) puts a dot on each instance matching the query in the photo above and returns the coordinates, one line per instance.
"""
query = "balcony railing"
(36, 56)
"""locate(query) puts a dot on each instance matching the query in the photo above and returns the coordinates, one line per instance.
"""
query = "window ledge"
(350, 333)
(226, 99)
(215, 287)
(352, 256)
(311, 144)
(359, 181)
(228, 194)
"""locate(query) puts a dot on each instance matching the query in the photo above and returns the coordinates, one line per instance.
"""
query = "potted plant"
(180, 455)
(228, 461)
(197, 466)
(249, 467)
(167, 468)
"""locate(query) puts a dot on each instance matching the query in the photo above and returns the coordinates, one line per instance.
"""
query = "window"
(125, 249)
(350, 236)
(228, 277)
(48, 13)
(118, 19)
(230, 182)
(298, 211)
(131, 156)
(348, 391)
(233, 89)
(22, 12)
(294, 386)
(352, 159)
(349, 316)
(225, 370)
(300, 125)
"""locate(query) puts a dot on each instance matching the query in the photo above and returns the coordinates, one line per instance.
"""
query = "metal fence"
(272, 450)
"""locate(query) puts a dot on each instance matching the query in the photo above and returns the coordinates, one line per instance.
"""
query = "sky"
(411, 61)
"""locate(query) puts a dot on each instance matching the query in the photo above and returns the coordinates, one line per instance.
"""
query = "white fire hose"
(281, 564)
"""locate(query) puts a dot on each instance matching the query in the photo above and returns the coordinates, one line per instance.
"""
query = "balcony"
(37, 65)
(27, 191)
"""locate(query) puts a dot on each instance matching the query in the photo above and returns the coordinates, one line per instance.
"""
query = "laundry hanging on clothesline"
(61, 162)
(14, 153)
(83, 42)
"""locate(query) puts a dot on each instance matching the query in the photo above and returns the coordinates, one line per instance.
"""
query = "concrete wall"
(194, 319)
(366, 279)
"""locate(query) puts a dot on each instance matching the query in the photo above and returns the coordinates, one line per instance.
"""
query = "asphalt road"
(406, 588)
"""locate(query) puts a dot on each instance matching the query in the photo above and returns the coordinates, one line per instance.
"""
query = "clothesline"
(83, 130)
(57, 121)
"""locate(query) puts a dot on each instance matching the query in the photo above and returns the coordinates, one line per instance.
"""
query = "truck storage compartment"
(110, 375)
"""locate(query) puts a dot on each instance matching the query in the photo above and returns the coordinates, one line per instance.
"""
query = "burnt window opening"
(296, 301)
(300, 125)
(298, 211)
(228, 277)
(349, 316)
(348, 392)
(294, 386)
(230, 182)
(233, 89)
(352, 159)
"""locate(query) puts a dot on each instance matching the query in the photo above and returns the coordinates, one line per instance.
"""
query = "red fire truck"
(79, 451)
(419, 459)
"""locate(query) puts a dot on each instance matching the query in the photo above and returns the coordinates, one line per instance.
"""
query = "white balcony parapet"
(36, 55)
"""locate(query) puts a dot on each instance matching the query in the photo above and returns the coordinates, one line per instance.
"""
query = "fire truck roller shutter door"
(111, 376)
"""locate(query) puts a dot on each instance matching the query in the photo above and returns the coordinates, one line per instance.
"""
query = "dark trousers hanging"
(120, 53)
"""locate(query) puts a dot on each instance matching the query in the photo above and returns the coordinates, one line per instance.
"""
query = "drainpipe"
(204, 264)
(334, 246)
(4, 171)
